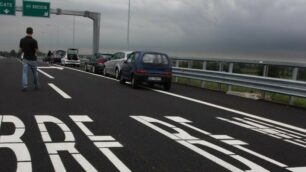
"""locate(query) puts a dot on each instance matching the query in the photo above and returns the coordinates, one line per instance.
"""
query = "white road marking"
(295, 143)
(108, 144)
(211, 105)
(221, 137)
(260, 156)
(51, 67)
(59, 91)
(101, 76)
(230, 110)
(268, 129)
(117, 162)
(44, 73)
(297, 169)
(234, 142)
(183, 137)
(104, 143)
(283, 129)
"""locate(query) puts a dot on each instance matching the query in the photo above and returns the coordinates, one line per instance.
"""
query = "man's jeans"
(26, 65)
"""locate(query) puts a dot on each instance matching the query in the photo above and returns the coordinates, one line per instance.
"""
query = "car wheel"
(122, 80)
(167, 86)
(134, 83)
(117, 74)
(93, 69)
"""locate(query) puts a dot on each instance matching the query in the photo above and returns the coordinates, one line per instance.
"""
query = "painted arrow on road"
(6, 11)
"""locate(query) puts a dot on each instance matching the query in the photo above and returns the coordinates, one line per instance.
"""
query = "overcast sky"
(210, 28)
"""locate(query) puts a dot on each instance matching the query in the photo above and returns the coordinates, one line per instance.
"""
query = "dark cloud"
(274, 28)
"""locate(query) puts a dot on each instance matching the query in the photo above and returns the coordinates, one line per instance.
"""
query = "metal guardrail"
(290, 87)
(284, 86)
(245, 61)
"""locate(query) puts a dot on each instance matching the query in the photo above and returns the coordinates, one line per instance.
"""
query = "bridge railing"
(289, 86)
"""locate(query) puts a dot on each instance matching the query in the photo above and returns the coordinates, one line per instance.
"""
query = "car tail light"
(101, 61)
(167, 73)
(141, 71)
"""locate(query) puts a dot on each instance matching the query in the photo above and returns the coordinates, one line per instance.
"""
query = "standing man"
(29, 48)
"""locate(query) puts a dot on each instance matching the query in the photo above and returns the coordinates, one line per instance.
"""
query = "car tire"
(117, 74)
(167, 86)
(122, 80)
(104, 72)
(134, 83)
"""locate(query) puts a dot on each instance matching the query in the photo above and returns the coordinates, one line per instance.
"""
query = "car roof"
(126, 52)
(150, 52)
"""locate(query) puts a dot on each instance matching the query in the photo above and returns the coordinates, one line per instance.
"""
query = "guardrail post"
(220, 70)
(265, 73)
(177, 64)
(190, 64)
(294, 77)
(230, 70)
(204, 68)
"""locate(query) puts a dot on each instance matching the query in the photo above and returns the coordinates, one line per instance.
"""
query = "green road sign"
(36, 9)
(7, 7)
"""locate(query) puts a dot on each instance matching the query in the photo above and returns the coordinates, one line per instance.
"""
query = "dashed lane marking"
(59, 91)
(44, 73)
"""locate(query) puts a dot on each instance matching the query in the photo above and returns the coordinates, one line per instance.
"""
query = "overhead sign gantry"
(42, 9)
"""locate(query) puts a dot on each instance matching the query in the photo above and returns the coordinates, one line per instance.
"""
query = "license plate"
(154, 78)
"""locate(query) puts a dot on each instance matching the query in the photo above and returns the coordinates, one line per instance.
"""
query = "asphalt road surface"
(80, 121)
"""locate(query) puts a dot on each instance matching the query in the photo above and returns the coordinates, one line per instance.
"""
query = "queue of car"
(96, 63)
(137, 67)
(69, 57)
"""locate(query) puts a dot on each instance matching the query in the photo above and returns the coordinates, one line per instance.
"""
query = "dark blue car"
(147, 67)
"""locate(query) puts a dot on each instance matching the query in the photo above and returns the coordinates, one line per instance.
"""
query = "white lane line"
(260, 156)
(51, 67)
(283, 129)
(290, 141)
(44, 73)
(101, 76)
(230, 110)
(59, 91)
(207, 104)
(113, 158)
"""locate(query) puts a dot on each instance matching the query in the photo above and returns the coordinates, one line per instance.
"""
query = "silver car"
(113, 66)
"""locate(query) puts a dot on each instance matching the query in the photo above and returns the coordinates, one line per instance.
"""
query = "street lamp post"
(128, 27)
(73, 31)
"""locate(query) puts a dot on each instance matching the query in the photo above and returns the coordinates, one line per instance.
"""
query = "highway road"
(80, 121)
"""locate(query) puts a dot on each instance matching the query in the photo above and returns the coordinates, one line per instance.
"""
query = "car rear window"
(156, 59)
(106, 56)
(72, 57)
(61, 53)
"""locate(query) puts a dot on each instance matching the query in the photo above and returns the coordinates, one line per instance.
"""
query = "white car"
(114, 65)
(71, 58)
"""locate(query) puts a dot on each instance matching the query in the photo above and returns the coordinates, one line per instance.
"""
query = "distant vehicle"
(71, 58)
(147, 67)
(95, 64)
(48, 57)
(57, 56)
(113, 66)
